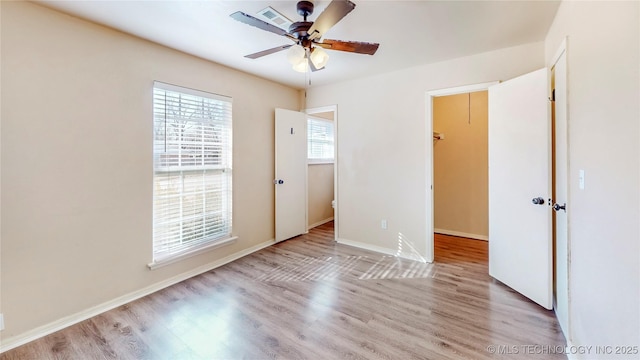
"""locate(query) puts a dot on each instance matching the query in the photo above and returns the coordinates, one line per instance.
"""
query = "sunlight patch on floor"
(391, 267)
(360, 267)
(312, 268)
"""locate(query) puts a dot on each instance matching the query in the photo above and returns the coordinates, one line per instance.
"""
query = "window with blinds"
(192, 170)
(320, 140)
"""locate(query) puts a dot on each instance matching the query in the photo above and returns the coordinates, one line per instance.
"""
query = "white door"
(291, 174)
(519, 176)
(561, 183)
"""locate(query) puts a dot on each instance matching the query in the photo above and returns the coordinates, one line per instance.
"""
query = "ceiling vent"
(271, 16)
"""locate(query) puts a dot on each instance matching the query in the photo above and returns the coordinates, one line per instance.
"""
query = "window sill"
(320, 162)
(193, 252)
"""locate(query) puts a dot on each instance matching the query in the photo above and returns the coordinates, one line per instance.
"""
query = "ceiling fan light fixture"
(302, 66)
(296, 54)
(319, 57)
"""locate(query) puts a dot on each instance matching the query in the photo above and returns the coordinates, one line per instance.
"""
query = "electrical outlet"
(383, 224)
(1, 322)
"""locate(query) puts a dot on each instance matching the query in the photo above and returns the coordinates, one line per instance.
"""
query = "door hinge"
(553, 95)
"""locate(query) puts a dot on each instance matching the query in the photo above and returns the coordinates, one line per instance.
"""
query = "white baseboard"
(380, 249)
(321, 222)
(21, 339)
(461, 234)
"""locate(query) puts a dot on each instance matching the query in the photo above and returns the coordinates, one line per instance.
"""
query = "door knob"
(558, 207)
(538, 201)
(278, 181)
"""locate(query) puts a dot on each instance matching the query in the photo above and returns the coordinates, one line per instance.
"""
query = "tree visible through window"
(192, 170)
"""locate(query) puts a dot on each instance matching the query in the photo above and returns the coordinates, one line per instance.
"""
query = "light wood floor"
(310, 298)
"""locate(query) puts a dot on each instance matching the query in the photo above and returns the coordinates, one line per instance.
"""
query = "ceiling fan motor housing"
(300, 29)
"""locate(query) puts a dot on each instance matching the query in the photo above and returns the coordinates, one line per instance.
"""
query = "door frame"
(334, 110)
(562, 50)
(429, 96)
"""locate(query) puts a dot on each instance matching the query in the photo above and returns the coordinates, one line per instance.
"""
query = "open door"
(520, 238)
(291, 174)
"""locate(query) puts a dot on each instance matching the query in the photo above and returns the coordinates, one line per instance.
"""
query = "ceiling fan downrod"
(300, 29)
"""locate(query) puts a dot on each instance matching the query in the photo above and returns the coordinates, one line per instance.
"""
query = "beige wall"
(382, 143)
(603, 54)
(460, 166)
(77, 162)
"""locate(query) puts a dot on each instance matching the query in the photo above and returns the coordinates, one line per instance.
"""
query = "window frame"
(208, 152)
(320, 161)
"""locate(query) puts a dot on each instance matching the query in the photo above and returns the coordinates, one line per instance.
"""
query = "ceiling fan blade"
(333, 13)
(268, 51)
(349, 46)
(250, 20)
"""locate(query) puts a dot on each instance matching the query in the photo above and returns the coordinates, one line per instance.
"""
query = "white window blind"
(320, 140)
(192, 170)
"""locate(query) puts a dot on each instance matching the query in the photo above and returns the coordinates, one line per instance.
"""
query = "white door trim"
(336, 211)
(461, 89)
(562, 49)
(429, 95)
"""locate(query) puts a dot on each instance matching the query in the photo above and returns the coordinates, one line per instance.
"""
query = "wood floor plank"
(311, 298)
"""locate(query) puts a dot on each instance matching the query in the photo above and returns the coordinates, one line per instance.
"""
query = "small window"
(320, 141)
(192, 171)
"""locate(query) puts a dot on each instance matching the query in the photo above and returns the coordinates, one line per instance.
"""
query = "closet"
(460, 146)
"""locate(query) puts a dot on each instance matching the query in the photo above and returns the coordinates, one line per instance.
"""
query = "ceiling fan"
(307, 51)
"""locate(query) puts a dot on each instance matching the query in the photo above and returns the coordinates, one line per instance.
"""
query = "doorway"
(460, 165)
(557, 91)
(519, 148)
(323, 169)
(430, 97)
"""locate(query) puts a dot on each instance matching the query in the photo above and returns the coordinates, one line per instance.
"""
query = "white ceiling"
(409, 32)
